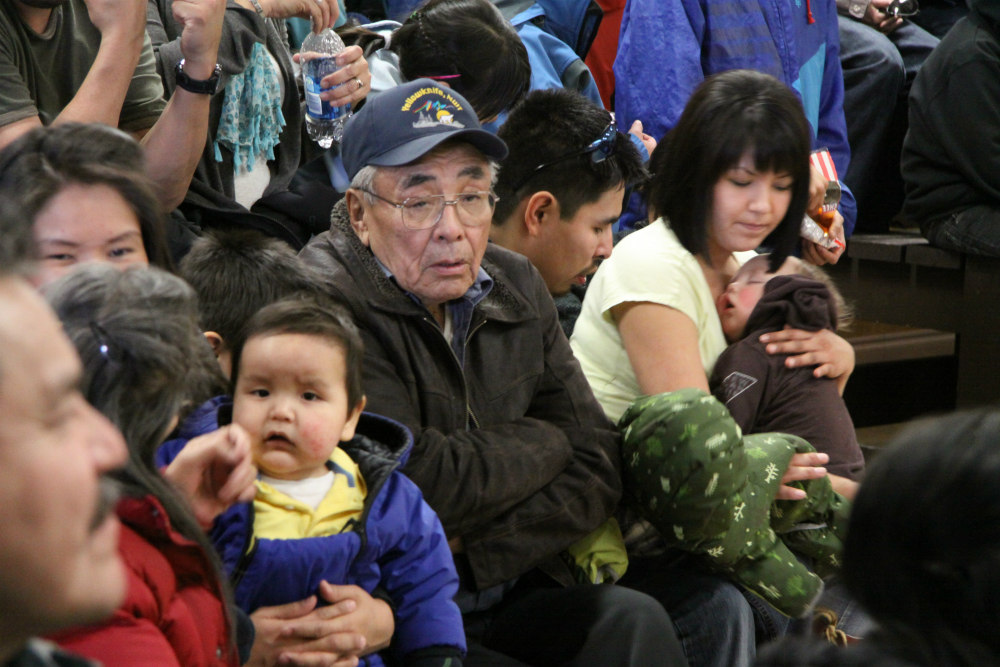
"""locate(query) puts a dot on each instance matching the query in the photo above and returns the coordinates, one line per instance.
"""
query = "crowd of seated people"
(503, 377)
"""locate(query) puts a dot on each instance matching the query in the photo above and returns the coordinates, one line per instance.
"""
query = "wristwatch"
(206, 87)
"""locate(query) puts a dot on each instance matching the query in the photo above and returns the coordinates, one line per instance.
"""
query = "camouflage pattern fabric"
(711, 491)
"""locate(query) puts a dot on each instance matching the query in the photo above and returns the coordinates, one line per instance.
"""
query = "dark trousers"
(583, 626)
(975, 230)
(878, 73)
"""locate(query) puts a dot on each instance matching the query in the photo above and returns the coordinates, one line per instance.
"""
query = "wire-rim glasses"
(474, 209)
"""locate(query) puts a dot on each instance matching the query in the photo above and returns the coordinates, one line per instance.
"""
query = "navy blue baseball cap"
(402, 124)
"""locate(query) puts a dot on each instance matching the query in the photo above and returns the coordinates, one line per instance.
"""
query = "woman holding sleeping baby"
(731, 177)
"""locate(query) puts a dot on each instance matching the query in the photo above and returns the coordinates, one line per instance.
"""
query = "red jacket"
(173, 615)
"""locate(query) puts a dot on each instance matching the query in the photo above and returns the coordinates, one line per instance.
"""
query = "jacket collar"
(502, 304)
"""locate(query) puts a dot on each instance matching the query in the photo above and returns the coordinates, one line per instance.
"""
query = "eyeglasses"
(600, 150)
(902, 9)
(474, 209)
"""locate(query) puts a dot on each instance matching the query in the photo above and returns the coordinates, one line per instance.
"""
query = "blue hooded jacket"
(398, 545)
(672, 45)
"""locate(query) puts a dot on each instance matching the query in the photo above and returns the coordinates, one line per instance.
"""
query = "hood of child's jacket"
(379, 438)
(796, 301)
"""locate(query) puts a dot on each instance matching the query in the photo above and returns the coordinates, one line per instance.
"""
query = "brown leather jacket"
(513, 453)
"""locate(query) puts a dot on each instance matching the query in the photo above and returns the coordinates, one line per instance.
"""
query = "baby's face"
(291, 397)
(744, 291)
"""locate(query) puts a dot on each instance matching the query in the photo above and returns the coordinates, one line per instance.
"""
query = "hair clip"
(101, 336)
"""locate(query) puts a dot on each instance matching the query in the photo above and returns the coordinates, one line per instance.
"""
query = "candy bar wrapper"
(811, 231)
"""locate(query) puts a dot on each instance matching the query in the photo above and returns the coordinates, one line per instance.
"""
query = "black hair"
(35, 167)
(313, 316)
(469, 45)
(546, 126)
(144, 361)
(236, 273)
(729, 115)
(922, 554)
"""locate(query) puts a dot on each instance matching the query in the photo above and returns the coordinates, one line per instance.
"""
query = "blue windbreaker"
(667, 47)
(398, 545)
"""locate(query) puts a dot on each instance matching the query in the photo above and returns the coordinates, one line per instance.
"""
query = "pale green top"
(649, 265)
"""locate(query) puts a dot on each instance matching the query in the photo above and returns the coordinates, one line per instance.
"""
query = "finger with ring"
(361, 84)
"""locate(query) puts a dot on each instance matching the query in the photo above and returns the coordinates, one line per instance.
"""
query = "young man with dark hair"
(562, 186)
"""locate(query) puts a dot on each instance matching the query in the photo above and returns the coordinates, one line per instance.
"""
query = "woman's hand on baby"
(213, 471)
(802, 467)
(372, 618)
(353, 73)
(832, 356)
(293, 634)
(817, 255)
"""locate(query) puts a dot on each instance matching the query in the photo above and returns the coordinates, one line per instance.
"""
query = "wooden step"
(877, 342)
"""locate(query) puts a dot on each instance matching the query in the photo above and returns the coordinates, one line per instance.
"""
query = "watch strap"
(207, 86)
(258, 8)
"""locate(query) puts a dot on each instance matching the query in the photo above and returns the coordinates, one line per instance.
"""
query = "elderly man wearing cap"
(463, 346)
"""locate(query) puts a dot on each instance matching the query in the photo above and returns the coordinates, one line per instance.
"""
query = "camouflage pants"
(711, 491)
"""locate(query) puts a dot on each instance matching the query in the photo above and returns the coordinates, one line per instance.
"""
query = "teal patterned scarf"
(251, 119)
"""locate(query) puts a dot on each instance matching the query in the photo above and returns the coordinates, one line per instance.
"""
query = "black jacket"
(951, 155)
(513, 452)
(765, 397)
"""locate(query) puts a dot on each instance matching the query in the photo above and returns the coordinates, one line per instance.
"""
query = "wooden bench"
(937, 300)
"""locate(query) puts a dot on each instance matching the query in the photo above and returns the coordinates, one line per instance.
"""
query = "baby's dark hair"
(549, 125)
(236, 273)
(312, 316)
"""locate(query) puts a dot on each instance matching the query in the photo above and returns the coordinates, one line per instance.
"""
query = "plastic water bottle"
(318, 59)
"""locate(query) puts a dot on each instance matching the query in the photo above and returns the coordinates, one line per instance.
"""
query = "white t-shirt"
(310, 491)
(649, 265)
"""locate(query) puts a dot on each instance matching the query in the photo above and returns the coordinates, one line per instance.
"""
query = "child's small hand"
(647, 141)
(213, 471)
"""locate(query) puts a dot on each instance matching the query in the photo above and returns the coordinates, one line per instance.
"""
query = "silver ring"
(361, 84)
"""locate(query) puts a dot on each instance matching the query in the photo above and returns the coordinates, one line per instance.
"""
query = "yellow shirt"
(281, 517)
(647, 265)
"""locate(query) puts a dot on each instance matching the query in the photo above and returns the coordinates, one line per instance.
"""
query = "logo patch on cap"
(433, 108)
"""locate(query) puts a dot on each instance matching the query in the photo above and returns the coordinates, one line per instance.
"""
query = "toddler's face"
(291, 397)
(744, 291)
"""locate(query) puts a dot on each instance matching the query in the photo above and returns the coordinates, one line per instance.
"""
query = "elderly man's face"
(58, 536)
(437, 264)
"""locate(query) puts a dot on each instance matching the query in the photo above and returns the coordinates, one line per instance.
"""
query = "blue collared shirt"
(460, 309)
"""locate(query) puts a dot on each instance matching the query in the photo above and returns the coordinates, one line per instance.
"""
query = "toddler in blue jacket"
(331, 504)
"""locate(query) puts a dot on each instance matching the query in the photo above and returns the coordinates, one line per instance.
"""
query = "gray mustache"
(108, 493)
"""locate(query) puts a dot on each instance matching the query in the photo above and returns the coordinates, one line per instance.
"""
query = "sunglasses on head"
(599, 150)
